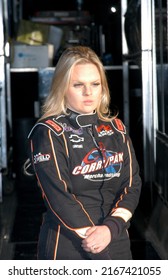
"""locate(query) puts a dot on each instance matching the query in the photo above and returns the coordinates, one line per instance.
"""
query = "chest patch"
(104, 130)
(99, 167)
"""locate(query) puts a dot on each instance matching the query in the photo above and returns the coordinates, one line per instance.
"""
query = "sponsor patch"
(77, 146)
(104, 130)
(54, 125)
(118, 124)
(98, 167)
(67, 128)
(75, 138)
(41, 158)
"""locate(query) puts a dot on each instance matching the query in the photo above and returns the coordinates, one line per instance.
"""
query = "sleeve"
(128, 196)
(50, 158)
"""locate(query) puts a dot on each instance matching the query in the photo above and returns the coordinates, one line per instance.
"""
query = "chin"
(87, 112)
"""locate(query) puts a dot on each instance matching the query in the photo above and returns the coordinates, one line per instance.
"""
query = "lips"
(88, 102)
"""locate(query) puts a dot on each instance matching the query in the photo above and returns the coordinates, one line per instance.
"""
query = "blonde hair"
(55, 103)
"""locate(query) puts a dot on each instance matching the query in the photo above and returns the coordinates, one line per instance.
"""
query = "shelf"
(107, 67)
(29, 69)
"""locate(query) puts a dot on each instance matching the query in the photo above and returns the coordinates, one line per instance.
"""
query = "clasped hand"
(97, 239)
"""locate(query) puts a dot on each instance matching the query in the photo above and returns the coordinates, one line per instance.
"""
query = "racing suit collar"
(82, 120)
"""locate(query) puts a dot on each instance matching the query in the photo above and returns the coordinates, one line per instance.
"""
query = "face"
(84, 91)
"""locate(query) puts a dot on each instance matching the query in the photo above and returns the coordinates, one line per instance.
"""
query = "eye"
(78, 85)
(96, 84)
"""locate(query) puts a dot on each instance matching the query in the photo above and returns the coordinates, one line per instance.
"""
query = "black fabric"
(95, 170)
(116, 226)
(103, 255)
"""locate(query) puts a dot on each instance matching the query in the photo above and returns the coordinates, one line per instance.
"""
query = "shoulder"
(50, 123)
(118, 126)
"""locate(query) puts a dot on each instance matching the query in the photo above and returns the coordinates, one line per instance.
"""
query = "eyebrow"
(98, 80)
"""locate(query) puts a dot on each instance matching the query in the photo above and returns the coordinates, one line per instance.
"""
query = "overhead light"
(113, 9)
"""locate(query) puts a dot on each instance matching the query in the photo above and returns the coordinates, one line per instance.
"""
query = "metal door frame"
(149, 88)
(5, 111)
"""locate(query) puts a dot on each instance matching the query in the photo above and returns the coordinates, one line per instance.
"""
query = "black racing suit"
(88, 174)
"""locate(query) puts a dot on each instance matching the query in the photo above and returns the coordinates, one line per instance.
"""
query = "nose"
(87, 90)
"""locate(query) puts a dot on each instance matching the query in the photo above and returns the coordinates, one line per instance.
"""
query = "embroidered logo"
(117, 123)
(41, 158)
(77, 146)
(67, 128)
(98, 166)
(75, 138)
(54, 125)
(103, 130)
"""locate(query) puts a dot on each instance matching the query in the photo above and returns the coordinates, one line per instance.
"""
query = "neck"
(79, 113)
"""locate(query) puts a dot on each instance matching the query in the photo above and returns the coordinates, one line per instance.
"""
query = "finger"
(95, 249)
(88, 241)
(90, 230)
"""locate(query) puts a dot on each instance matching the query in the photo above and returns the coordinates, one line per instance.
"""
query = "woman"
(85, 165)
